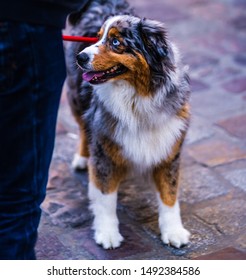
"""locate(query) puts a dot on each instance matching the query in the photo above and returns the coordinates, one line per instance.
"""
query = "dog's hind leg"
(78, 104)
(80, 159)
(166, 181)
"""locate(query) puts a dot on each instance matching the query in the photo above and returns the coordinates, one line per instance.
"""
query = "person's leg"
(32, 72)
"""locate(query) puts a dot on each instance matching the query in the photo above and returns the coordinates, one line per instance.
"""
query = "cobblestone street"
(212, 38)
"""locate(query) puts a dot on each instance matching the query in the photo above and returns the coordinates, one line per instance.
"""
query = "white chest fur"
(145, 134)
(148, 147)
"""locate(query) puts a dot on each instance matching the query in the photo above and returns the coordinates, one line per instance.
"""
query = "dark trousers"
(32, 72)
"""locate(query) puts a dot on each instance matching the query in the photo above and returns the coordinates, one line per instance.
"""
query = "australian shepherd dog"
(134, 117)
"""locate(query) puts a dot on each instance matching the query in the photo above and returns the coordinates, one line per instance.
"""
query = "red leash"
(79, 39)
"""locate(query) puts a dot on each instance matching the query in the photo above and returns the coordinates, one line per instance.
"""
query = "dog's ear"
(157, 50)
(154, 38)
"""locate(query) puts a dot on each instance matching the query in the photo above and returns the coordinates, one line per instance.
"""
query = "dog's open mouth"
(99, 77)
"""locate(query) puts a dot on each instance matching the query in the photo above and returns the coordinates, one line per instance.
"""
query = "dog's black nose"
(82, 58)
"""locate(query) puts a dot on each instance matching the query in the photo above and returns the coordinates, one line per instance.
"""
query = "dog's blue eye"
(115, 42)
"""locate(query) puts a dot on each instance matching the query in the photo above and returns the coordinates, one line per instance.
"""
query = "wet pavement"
(212, 38)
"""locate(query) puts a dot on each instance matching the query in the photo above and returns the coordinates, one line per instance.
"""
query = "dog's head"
(131, 49)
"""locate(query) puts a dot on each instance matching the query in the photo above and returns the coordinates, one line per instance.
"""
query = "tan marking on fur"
(166, 175)
(114, 33)
(114, 152)
(93, 177)
(112, 183)
(100, 33)
(184, 112)
(138, 74)
(83, 144)
(168, 194)
(118, 170)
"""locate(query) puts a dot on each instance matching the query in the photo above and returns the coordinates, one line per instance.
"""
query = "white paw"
(177, 236)
(79, 162)
(109, 239)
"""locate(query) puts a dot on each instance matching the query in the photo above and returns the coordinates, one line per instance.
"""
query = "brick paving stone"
(227, 214)
(49, 247)
(167, 13)
(66, 201)
(220, 41)
(237, 178)
(202, 236)
(240, 59)
(74, 239)
(236, 85)
(78, 240)
(138, 198)
(199, 60)
(235, 126)
(159, 253)
(214, 152)
(198, 183)
(239, 22)
(222, 73)
(188, 3)
(199, 129)
(197, 85)
(63, 154)
(134, 243)
(229, 253)
(60, 129)
(235, 173)
(216, 104)
(240, 3)
(216, 11)
(241, 241)
(214, 75)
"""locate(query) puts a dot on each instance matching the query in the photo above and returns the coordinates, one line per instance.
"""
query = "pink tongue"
(90, 75)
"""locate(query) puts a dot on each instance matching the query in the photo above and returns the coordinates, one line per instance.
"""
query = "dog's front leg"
(105, 224)
(103, 188)
(171, 227)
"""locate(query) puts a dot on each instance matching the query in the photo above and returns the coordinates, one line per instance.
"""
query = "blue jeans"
(32, 71)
